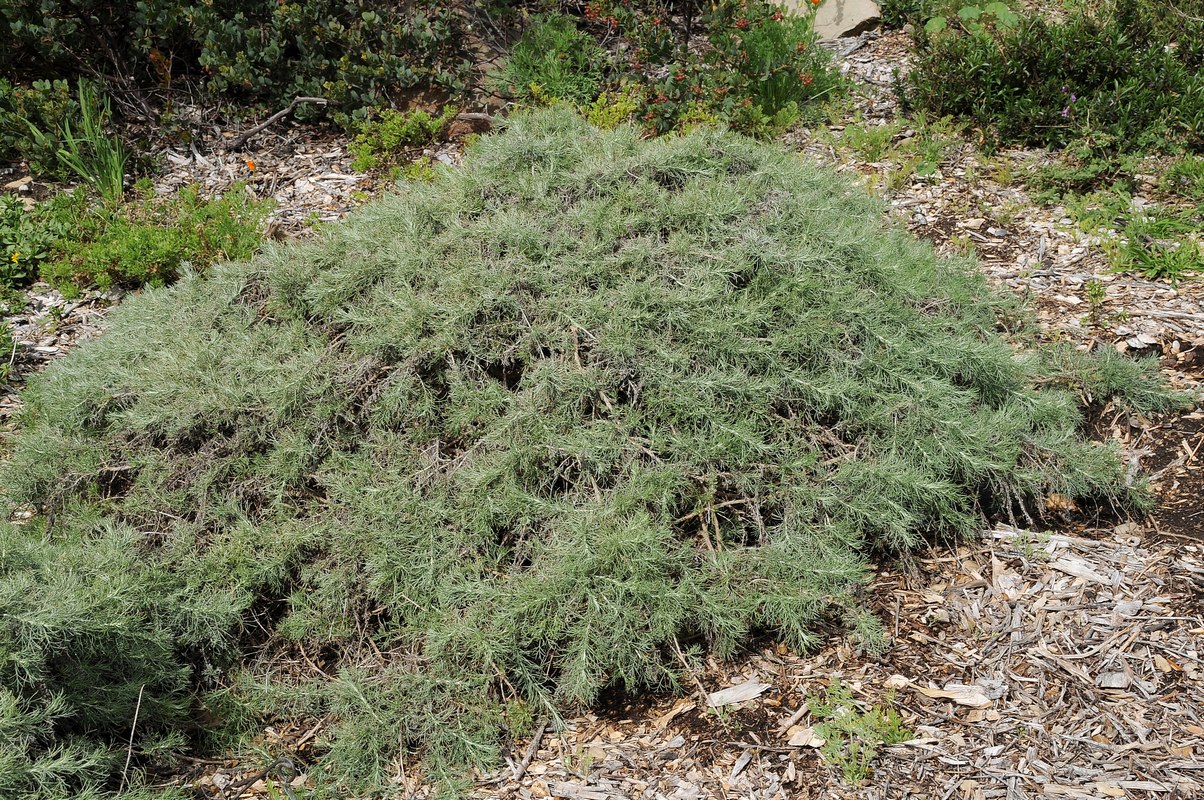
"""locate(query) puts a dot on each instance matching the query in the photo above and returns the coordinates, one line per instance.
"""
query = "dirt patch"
(1176, 467)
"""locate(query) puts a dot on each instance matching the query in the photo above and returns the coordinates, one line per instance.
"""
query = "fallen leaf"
(740, 764)
(1166, 665)
(1109, 789)
(680, 707)
(1113, 680)
(972, 696)
(804, 737)
(897, 682)
(1184, 751)
(1078, 568)
(736, 694)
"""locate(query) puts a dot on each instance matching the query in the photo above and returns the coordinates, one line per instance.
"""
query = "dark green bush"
(897, 13)
(1122, 78)
(504, 440)
(358, 54)
(47, 105)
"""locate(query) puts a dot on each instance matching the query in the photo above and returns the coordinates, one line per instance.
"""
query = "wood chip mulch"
(1029, 665)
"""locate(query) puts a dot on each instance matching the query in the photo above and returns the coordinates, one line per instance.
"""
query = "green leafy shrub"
(976, 20)
(509, 437)
(383, 140)
(748, 64)
(1117, 78)
(72, 241)
(897, 13)
(41, 106)
(758, 69)
(555, 60)
(358, 54)
(149, 242)
(917, 13)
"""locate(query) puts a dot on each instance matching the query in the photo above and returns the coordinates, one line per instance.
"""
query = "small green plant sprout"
(8, 353)
(853, 733)
(873, 142)
(1096, 294)
(962, 245)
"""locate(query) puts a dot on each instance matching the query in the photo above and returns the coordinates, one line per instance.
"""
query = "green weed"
(1184, 178)
(8, 353)
(1156, 242)
(852, 736)
(387, 139)
(872, 142)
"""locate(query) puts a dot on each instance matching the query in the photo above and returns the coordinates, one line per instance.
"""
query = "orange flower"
(250, 165)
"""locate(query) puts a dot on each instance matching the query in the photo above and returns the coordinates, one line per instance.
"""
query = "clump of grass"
(504, 440)
(554, 60)
(85, 150)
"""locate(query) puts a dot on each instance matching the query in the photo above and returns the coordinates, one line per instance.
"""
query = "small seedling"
(852, 736)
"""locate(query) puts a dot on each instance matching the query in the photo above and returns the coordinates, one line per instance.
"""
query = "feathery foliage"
(504, 440)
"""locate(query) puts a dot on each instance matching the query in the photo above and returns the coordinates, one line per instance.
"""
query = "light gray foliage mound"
(502, 441)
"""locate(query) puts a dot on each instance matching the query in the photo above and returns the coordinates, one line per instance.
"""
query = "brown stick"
(475, 116)
(521, 769)
(129, 750)
(241, 139)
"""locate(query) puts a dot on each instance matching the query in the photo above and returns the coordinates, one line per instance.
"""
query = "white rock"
(837, 18)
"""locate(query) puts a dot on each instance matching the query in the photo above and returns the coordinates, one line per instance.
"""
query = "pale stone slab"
(837, 18)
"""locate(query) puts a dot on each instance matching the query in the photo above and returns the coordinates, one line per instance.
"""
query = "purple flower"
(1074, 98)
(1066, 111)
